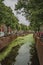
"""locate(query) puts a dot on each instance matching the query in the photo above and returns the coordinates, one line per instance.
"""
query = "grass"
(18, 41)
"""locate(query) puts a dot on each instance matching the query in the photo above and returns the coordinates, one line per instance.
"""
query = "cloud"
(11, 3)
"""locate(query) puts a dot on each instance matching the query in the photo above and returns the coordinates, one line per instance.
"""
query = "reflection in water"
(22, 55)
(11, 57)
(33, 55)
(18, 56)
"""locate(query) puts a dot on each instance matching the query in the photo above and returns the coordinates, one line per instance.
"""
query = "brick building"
(4, 30)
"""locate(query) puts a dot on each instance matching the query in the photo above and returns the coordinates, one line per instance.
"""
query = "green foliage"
(6, 16)
(24, 27)
(33, 11)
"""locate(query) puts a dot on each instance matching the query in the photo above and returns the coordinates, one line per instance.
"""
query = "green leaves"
(33, 11)
(6, 16)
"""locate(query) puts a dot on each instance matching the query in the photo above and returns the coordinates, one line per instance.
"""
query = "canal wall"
(39, 47)
(4, 41)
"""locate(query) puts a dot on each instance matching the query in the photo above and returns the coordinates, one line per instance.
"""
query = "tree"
(24, 27)
(33, 11)
(7, 17)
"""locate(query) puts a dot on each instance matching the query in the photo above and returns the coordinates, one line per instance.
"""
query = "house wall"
(1, 31)
(4, 30)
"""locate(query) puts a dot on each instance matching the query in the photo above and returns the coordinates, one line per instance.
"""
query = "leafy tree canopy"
(6, 16)
(33, 11)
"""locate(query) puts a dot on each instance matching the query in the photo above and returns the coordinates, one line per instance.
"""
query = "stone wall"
(39, 47)
(4, 41)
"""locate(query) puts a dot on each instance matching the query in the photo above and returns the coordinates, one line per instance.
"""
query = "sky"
(22, 19)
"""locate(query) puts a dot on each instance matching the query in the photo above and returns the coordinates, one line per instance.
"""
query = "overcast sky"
(11, 3)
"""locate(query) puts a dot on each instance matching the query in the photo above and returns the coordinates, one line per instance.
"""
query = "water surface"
(18, 56)
(23, 56)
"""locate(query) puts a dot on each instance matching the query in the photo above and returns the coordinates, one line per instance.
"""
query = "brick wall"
(39, 47)
(4, 41)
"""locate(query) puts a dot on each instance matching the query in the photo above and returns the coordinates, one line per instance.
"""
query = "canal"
(18, 56)
(21, 51)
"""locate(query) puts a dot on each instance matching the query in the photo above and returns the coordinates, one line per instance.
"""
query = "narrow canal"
(18, 56)
(22, 52)
(23, 56)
